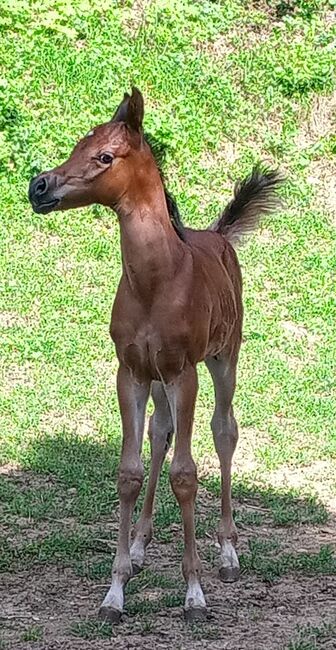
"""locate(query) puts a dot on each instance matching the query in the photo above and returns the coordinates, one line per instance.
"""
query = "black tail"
(253, 197)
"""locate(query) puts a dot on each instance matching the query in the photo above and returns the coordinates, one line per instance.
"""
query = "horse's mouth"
(44, 208)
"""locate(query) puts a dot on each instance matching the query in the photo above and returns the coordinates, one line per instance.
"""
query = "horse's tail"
(253, 197)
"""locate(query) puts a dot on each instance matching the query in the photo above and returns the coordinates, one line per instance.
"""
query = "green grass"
(265, 560)
(33, 633)
(226, 84)
(200, 632)
(56, 548)
(285, 506)
(143, 606)
(92, 630)
(310, 637)
(148, 578)
(60, 272)
(89, 555)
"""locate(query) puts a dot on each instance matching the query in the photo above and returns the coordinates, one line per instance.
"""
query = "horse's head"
(99, 169)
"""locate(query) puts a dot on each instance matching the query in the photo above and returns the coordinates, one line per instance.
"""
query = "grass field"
(226, 84)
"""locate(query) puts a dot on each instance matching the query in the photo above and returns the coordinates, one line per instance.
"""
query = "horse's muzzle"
(40, 194)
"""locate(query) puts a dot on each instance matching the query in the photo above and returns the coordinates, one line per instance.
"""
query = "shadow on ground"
(59, 511)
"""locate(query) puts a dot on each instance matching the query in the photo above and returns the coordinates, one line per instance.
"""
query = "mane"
(159, 152)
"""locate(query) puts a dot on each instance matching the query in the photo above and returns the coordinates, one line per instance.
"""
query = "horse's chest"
(155, 353)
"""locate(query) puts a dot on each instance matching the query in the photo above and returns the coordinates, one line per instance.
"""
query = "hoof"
(136, 569)
(229, 574)
(110, 615)
(195, 614)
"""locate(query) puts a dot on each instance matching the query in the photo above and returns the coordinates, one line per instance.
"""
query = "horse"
(178, 303)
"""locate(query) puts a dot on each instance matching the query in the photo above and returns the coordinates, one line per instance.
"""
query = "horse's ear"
(121, 113)
(135, 112)
(131, 110)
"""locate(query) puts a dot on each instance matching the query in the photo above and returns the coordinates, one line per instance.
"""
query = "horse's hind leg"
(160, 433)
(225, 433)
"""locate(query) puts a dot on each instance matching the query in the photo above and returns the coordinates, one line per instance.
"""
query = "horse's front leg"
(133, 398)
(182, 396)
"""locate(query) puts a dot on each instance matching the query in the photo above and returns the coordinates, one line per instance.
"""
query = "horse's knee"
(130, 480)
(183, 479)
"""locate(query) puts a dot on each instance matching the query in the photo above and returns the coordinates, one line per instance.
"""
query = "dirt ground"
(248, 615)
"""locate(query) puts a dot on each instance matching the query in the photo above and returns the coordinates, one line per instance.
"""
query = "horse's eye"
(105, 158)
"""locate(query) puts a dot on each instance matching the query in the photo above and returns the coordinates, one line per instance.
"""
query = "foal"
(179, 302)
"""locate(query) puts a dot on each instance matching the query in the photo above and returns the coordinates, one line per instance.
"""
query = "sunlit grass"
(225, 85)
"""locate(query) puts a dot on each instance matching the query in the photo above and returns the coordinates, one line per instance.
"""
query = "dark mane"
(159, 153)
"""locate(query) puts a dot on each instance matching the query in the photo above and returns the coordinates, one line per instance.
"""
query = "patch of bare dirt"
(135, 17)
(322, 176)
(319, 476)
(80, 423)
(11, 319)
(266, 236)
(249, 614)
(41, 240)
(65, 266)
(227, 153)
(247, 33)
(9, 469)
(320, 121)
(16, 375)
(26, 479)
(218, 49)
(244, 615)
(294, 330)
(107, 373)
(276, 10)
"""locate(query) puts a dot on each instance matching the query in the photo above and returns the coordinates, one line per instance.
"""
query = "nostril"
(41, 186)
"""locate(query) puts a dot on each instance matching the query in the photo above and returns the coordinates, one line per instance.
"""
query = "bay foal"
(179, 302)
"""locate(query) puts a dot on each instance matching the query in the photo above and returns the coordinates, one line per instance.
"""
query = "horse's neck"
(151, 249)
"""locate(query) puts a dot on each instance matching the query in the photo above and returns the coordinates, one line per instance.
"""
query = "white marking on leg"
(132, 399)
(115, 595)
(195, 597)
(138, 550)
(228, 556)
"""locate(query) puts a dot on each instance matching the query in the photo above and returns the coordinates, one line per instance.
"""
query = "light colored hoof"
(109, 615)
(229, 573)
(195, 614)
(228, 563)
(136, 568)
